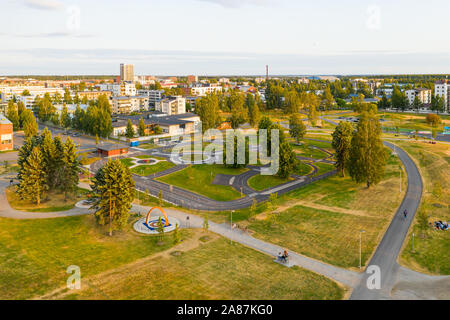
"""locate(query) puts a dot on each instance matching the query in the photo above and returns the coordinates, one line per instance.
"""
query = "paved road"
(385, 256)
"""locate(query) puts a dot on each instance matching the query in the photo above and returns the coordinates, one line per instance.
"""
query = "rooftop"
(111, 146)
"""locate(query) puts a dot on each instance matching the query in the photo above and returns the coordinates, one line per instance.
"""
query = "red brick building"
(110, 149)
(6, 134)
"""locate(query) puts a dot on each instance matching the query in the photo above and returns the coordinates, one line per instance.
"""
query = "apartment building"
(153, 95)
(192, 79)
(126, 72)
(203, 90)
(6, 134)
(8, 92)
(171, 105)
(423, 94)
(93, 95)
(128, 104)
(442, 89)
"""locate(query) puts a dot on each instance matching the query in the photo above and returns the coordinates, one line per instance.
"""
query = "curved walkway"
(386, 254)
(191, 200)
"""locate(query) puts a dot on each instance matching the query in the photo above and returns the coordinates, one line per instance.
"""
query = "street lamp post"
(231, 227)
(360, 245)
(413, 242)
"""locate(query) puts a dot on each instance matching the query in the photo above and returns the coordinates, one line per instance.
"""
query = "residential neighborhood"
(230, 158)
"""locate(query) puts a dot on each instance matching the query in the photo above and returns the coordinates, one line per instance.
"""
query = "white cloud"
(44, 4)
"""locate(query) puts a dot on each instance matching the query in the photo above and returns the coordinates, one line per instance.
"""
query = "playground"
(150, 225)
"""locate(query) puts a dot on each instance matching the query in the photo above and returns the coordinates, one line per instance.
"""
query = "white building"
(204, 90)
(26, 100)
(171, 105)
(122, 89)
(442, 89)
(423, 94)
(153, 95)
(8, 92)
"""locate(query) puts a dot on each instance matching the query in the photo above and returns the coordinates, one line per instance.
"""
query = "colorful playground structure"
(149, 225)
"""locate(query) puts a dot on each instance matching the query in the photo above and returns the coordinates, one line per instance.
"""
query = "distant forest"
(55, 77)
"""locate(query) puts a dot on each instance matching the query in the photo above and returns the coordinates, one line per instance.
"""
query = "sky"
(225, 37)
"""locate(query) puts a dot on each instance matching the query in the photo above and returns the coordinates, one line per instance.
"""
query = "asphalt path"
(386, 254)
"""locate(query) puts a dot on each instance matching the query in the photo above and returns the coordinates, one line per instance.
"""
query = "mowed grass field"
(199, 178)
(206, 266)
(51, 202)
(431, 253)
(409, 121)
(323, 219)
(145, 170)
(260, 182)
(35, 254)
(329, 236)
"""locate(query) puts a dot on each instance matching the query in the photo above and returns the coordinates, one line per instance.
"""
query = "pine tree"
(367, 154)
(113, 189)
(129, 133)
(32, 185)
(342, 141)
(58, 174)
(49, 155)
(24, 153)
(70, 167)
(141, 127)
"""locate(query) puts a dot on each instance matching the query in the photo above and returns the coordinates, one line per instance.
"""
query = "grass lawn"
(329, 236)
(431, 251)
(208, 267)
(52, 201)
(303, 169)
(409, 122)
(148, 146)
(260, 182)
(146, 170)
(35, 254)
(322, 220)
(323, 168)
(306, 149)
(128, 162)
(198, 178)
